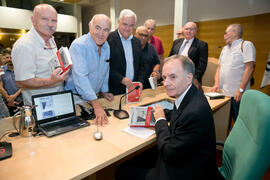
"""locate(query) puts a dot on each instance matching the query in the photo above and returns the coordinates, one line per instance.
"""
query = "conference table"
(77, 155)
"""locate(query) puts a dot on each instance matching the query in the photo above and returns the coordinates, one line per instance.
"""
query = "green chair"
(246, 152)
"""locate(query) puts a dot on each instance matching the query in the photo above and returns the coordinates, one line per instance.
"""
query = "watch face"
(241, 90)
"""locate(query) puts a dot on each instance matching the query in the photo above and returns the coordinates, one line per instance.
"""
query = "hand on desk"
(101, 116)
(215, 88)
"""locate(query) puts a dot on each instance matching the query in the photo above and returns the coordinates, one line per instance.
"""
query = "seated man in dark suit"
(150, 57)
(186, 148)
(195, 49)
(126, 63)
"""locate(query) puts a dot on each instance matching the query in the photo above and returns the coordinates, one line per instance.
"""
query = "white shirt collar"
(181, 97)
(189, 41)
(41, 40)
(128, 39)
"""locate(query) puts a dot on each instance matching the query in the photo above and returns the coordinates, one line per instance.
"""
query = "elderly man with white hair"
(126, 63)
(90, 70)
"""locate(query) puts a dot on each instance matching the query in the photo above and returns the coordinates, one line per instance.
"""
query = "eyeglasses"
(189, 29)
(143, 35)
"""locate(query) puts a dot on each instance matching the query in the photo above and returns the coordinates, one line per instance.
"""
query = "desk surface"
(75, 155)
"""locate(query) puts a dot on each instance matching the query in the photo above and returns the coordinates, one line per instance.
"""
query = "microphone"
(120, 113)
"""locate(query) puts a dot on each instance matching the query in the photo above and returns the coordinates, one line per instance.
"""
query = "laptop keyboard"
(64, 126)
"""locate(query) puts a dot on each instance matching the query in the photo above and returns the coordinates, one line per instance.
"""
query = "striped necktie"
(182, 47)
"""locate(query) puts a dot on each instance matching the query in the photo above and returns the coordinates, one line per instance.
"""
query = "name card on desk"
(139, 132)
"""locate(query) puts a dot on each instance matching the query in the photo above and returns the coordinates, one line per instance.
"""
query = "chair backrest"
(246, 153)
(208, 78)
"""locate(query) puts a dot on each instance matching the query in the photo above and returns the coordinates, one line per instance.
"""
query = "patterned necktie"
(182, 48)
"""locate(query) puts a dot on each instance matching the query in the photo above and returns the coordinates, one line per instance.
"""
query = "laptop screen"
(53, 106)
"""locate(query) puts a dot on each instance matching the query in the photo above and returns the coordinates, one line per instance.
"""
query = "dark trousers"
(137, 167)
(234, 111)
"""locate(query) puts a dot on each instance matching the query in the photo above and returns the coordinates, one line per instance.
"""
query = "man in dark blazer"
(186, 147)
(195, 49)
(126, 63)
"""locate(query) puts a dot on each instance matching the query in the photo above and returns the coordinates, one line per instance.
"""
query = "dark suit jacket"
(198, 53)
(118, 63)
(187, 146)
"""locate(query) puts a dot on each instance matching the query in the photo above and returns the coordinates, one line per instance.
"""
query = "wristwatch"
(241, 90)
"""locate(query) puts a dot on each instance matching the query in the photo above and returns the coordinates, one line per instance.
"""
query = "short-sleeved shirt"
(9, 84)
(90, 71)
(156, 42)
(32, 59)
(232, 67)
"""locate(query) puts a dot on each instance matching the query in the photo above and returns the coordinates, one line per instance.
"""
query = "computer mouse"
(98, 135)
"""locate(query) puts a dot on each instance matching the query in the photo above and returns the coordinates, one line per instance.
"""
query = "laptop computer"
(55, 113)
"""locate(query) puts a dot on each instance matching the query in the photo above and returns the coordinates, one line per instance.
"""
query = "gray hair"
(99, 15)
(127, 13)
(239, 29)
(187, 63)
(139, 28)
(150, 21)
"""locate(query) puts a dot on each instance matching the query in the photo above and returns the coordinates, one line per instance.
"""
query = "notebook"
(55, 113)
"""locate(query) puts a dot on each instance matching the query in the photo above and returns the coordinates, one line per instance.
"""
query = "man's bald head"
(44, 20)
(190, 30)
(99, 28)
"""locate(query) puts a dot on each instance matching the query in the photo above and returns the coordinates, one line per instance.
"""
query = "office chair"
(246, 152)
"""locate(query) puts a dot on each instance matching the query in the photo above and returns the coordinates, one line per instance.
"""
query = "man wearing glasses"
(195, 49)
(33, 53)
(150, 57)
(90, 54)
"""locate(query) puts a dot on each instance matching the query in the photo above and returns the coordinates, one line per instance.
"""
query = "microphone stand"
(121, 113)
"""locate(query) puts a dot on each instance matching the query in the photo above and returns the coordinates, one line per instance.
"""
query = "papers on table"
(140, 132)
(214, 95)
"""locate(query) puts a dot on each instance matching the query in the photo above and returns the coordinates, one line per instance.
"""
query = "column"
(180, 15)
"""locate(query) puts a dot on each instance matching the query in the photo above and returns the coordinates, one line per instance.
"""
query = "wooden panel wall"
(165, 33)
(256, 29)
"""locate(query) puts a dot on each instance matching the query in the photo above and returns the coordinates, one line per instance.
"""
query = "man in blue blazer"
(194, 48)
(126, 63)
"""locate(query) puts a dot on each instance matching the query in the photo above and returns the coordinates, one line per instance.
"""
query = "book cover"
(141, 117)
(64, 59)
(133, 96)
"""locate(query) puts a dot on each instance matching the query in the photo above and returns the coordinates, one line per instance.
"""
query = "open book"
(64, 59)
(141, 117)
(133, 96)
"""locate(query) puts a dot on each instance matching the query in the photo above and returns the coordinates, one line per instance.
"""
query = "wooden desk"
(75, 155)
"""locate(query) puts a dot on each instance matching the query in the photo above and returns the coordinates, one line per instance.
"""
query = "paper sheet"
(140, 132)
